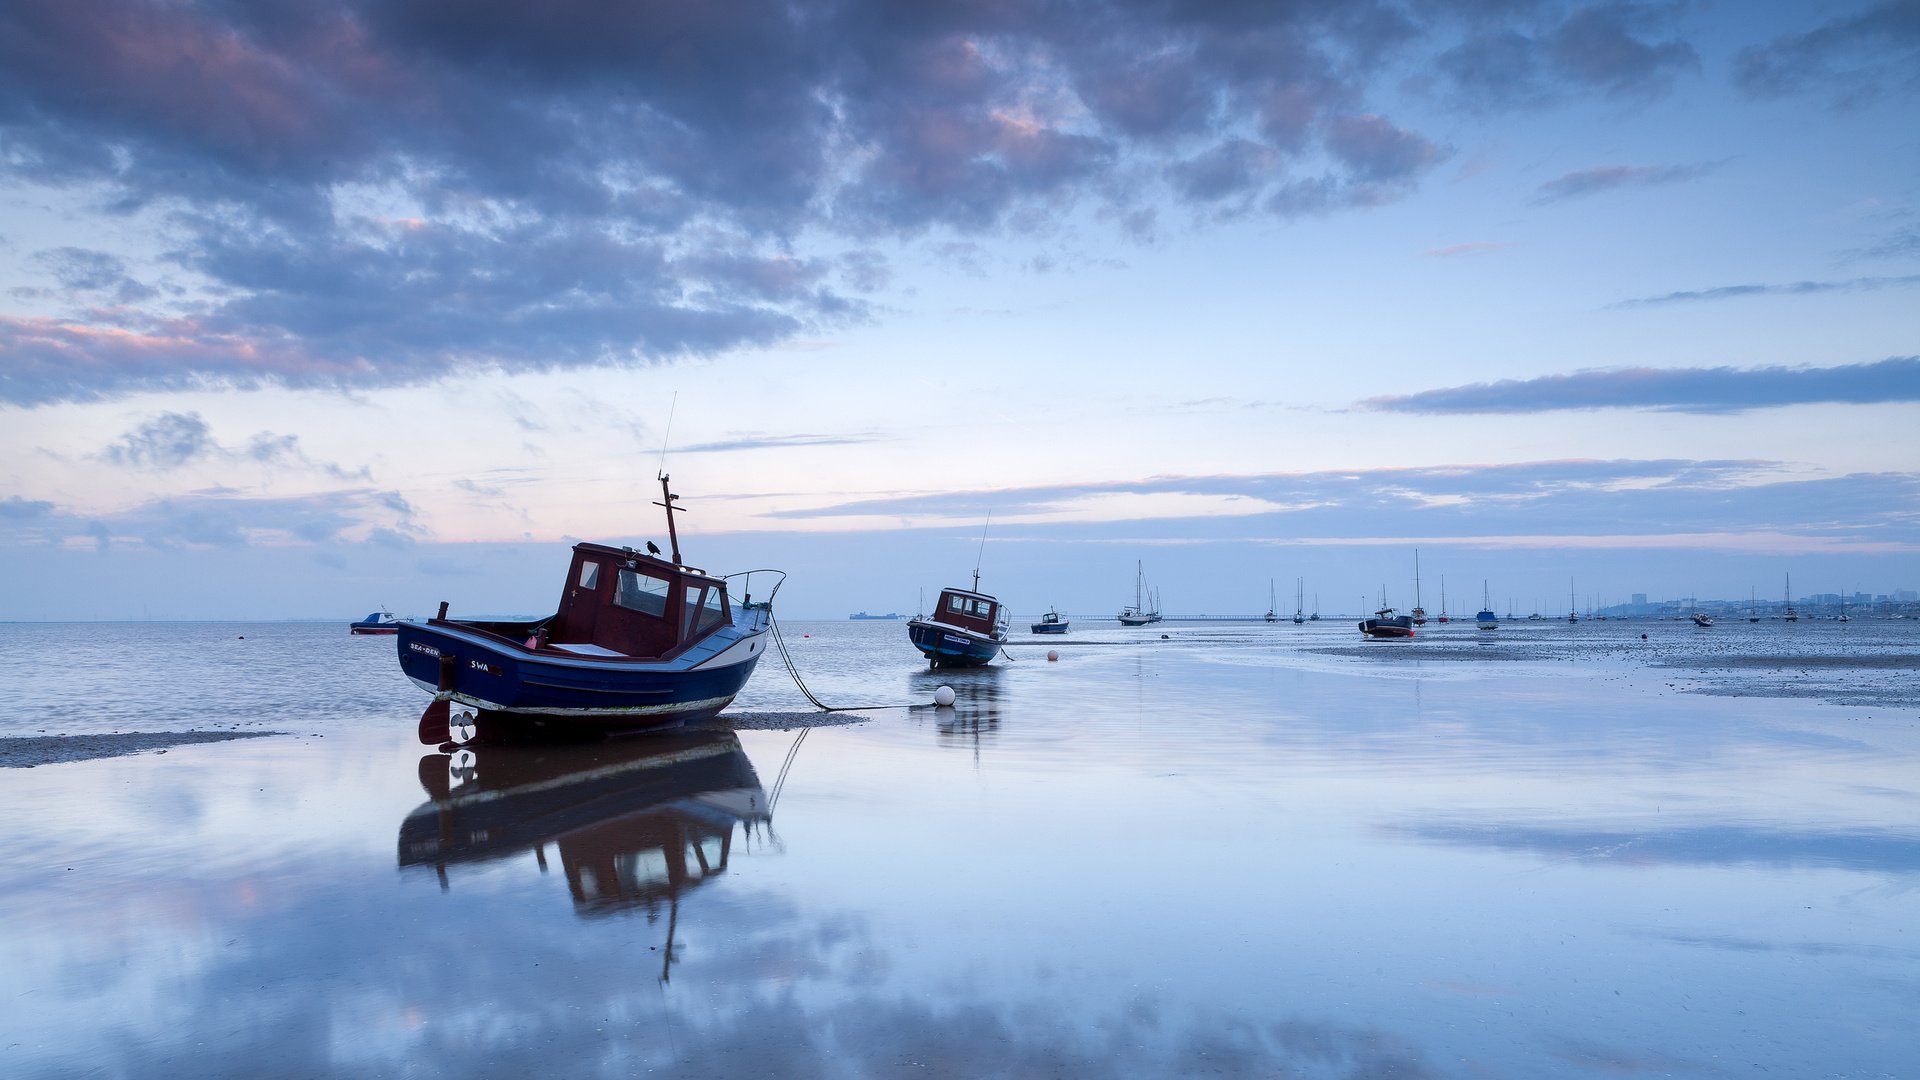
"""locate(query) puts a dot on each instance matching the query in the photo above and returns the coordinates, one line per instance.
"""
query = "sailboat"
(1843, 608)
(1753, 607)
(1273, 605)
(1444, 619)
(1315, 617)
(1485, 619)
(1789, 614)
(1419, 614)
(1573, 613)
(1139, 614)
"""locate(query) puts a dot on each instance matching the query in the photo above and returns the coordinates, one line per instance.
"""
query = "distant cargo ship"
(864, 615)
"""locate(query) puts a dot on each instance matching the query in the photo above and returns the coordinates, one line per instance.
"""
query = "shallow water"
(1239, 850)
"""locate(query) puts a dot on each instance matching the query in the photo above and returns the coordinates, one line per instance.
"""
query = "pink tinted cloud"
(46, 358)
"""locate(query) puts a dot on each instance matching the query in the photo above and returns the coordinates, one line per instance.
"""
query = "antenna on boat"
(668, 434)
(981, 554)
(667, 497)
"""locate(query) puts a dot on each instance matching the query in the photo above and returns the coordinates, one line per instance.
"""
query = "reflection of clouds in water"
(1730, 943)
(1882, 851)
(763, 989)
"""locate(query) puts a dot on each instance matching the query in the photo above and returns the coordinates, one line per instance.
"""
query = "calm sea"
(1237, 850)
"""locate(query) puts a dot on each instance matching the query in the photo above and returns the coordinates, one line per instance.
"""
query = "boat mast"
(668, 498)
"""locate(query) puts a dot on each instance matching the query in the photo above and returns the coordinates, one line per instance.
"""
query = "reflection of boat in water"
(637, 641)
(376, 622)
(635, 822)
(1051, 623)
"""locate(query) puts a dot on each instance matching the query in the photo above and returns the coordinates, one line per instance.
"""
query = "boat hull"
(371, 630)
(1400, 627)
(492, 675)
(1050, 627)
(946, 645)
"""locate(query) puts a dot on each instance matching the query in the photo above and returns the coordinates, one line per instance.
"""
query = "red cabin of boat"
(967, 610)
(626, 602)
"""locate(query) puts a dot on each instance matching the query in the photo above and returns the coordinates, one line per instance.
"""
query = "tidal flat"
(1235, 850)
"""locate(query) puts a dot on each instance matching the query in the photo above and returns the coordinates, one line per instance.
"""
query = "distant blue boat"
(638, 642)
(376, 622)
(1051, 623)
(967, 629)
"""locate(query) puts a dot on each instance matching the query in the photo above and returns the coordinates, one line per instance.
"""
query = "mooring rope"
(794, 671)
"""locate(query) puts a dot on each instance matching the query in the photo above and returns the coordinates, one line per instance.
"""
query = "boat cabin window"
(644, 593)
(589, 574)
(713, 611)
(966, 605)
(700, 616)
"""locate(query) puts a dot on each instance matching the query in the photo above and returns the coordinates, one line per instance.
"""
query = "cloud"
(1611, 177)
(1755, 506)
(1859, 850)
(1471, 247)
(1849, 59)
(78, 270)
(1608, 48)
(778, 442)
(1900, 244)
(381, 194)
(1797, 288)
(171, 440)
(15, 508)
(1698, 390)
(221, 518)
(167, 441)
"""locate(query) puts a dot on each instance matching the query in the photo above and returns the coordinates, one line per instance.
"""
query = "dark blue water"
(1238, 851)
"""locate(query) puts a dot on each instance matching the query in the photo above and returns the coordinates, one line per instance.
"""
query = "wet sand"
(25, 752)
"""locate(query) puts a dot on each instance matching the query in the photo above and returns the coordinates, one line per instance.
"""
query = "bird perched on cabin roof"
(653, 548)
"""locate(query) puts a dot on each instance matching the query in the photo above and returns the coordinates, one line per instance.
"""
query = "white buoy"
(1053, 654)
(943, 696)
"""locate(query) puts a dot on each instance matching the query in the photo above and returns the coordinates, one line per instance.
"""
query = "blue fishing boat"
(967, 629)
(637, 642)
(1051, 623)
(376, 622)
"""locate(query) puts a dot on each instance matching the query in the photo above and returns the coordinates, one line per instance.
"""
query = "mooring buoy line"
(786, 656)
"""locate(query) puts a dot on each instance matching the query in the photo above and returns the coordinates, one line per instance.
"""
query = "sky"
(308, 309)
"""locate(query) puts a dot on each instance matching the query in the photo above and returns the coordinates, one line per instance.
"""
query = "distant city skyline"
(306, 309)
